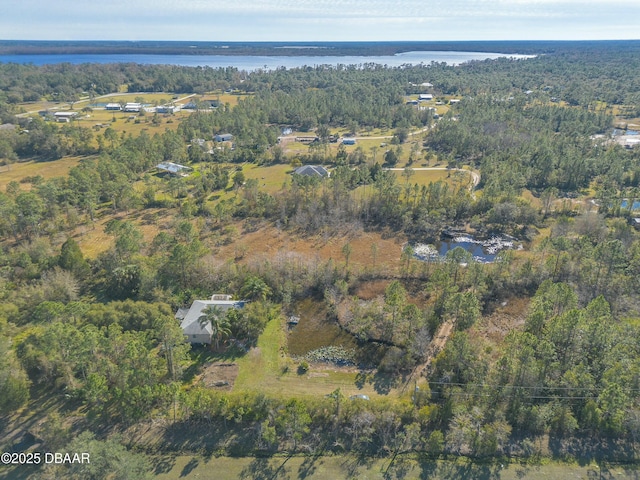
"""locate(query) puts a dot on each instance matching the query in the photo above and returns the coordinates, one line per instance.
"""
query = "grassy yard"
(268, 369)
(270, 179)
(345, 466)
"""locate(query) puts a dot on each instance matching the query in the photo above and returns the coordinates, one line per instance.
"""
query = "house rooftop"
(190, 323)
(312, 171)
(174, 168)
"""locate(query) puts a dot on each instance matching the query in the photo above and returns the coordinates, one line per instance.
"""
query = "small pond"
(483, 251)
(618, 132)
(635, 206)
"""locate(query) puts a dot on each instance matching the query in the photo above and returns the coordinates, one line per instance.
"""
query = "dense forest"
(97, 333)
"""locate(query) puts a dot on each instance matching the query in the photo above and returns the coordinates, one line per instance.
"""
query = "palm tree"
(215, 316)
(255, 287)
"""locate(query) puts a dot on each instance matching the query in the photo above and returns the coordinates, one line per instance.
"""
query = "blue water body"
(617, 132)
(635, 206)
(483, 251)
(251, 63)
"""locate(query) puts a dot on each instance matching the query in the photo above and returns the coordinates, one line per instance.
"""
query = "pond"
(635, 206)
(483, 251)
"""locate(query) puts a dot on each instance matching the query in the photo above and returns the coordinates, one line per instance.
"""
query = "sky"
(319, 20)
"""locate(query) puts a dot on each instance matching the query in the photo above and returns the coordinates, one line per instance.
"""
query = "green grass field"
(270, 179)
(267, 369)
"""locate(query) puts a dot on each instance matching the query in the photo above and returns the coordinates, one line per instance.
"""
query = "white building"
(132, 107)
(195, 329)
(65, 116)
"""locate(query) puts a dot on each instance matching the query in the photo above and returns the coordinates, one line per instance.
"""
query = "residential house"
(195, 329)
(223, 137)
(133, 107)
(312, 171)
(65, 116)
(174, 168)
(167, 108)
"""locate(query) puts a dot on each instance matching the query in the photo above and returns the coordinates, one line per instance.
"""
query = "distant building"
(223, 137)
(312, 171)
(167, 108)
(132, 107)
(113, 106)
(309, 139)
(194, 327)
(348, 141)
(65, 116)
(287, 131)
(174, 168)
(454, 100)
(425, 97)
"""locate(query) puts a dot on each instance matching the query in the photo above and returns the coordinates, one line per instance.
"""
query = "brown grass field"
(268, 243)
(20, 170)
(93, 240)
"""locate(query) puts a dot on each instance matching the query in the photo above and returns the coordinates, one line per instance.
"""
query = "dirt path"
(387, 137)
(437, 344)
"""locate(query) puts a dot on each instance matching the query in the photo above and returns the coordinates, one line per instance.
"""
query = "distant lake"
(251, 63)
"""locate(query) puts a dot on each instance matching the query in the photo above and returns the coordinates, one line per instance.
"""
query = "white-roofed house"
(65, 116)
(195, 327)
(174, 168)
(132, 107)
(312, 171)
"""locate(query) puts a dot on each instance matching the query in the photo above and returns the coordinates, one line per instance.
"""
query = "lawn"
(270, 179)
(266, 368)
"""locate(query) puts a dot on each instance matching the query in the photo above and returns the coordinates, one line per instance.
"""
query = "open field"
(404, 467)
(270, 243)
(93, 240)
(20, 170)
(129, 123)
(425, 177)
